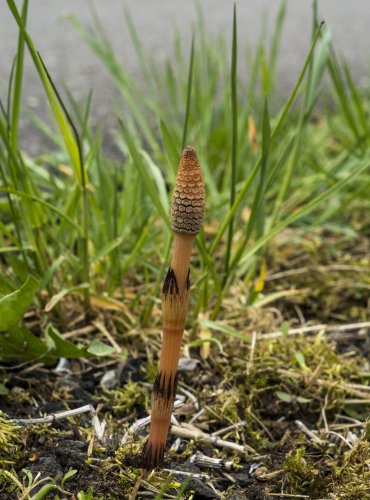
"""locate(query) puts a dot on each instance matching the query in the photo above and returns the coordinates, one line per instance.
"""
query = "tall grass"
(77, 215)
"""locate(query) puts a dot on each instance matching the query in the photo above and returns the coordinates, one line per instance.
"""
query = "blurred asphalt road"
(70, 60)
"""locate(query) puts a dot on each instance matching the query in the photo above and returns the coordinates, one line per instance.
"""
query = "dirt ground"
(281, 413)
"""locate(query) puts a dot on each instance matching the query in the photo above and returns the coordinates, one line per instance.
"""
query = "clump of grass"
(80, 224)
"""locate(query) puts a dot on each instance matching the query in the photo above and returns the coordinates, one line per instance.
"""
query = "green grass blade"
(188, 95)
(147, 177)
(60, 118)
(276, 39)
(18, 79)
(234, 146)
(275, 131)
(306, 209)
(171, 148)
(257, 215)
(43, 203)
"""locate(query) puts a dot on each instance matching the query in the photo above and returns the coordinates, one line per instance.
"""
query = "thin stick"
(251, 355)
(202, 460)
(317, 328)
(194, 433)
(196, 416)
(343, 427)
(79, 331)
(99, 427)
(101, 327)
(342, 438)
(192, 474)
(307, 431)
(191, 396)
(242, 423)
(142, 423)
(304, 270)
(287, 495)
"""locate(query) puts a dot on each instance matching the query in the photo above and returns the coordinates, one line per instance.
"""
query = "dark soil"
(319, 379)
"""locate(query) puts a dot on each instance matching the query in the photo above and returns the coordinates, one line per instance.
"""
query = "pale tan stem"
(187, 214)
(182, 246)
(170, 353)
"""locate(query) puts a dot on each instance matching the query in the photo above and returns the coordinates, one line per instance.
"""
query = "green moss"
(128, 451)
(349, 480)
(10, 442)
(123, 400)
(8, 481)
(188, 451)
(352, 479)
(127, 475)
(297, 467)
(223, 405)
(151, 371)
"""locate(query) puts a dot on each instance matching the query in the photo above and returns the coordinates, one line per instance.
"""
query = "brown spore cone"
(187, 211)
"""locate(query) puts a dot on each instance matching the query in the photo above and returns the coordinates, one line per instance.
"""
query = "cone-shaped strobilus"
(187, 213)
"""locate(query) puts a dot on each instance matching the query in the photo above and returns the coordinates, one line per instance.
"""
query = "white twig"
(62, 366)
(99, 427)
(317, 328)
(351, 419)
(142, 423)
(192, 474)
(242, 423)
(307, 431)
(174, 420)
(202, 460)
(350, 446)
(252, 350)
(196, 416)
(191, 397)
(194, 433)
(324, 269)
(176, 445)
(287, 495)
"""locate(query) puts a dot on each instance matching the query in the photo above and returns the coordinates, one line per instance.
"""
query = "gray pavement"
(70, 60)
